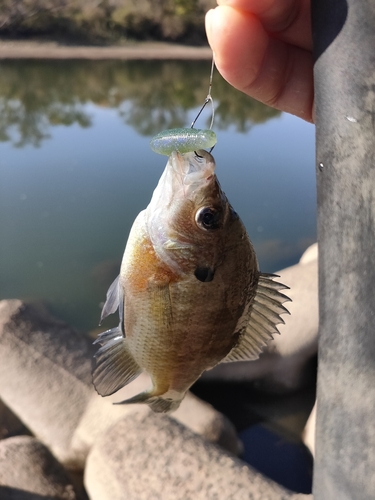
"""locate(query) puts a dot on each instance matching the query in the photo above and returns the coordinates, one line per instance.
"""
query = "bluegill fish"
(189, 294)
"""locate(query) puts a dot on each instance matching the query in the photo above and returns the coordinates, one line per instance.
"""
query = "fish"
(189, 294)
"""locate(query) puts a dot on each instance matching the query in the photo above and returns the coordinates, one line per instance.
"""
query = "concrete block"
(152, 457)
(28, 471)
(45, 375)
(194, 413)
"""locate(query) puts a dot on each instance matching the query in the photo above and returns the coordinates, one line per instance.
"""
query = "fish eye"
(208, 218)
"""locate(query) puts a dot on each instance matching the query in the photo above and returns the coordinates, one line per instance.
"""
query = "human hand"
(264, 48)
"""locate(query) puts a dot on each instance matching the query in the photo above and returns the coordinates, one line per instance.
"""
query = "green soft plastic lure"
(183, 140)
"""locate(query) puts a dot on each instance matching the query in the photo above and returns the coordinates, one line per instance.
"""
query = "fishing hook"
(208, 99)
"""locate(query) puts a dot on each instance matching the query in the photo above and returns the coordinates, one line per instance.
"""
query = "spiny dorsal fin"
(115, 366)
(263, 316)
(114, 301)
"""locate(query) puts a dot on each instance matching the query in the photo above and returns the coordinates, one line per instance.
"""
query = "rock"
(308, 435)
(28, 471)
(151, 457)
(310, 254)
(100, 413)
(10, 425)
(45, 378)
(199, 416)
(203, 419)
(283, 366)
(45, 375)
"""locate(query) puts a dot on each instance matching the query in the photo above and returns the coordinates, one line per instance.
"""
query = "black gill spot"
(204, 274)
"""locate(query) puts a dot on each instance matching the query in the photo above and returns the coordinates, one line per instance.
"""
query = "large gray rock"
(151, 457)
(44, 375)
(45, 378)
(10, 425)
(308, 435)
(199, 416)
(282, 365)
(203, 419)
(28, 471)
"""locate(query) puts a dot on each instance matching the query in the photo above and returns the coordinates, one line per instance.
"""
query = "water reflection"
(66, 206)
(35, 96)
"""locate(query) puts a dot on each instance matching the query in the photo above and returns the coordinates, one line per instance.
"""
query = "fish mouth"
(185, 181)
(193, 168)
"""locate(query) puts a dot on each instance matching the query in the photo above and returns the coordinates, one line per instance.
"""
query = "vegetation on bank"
(106, 21)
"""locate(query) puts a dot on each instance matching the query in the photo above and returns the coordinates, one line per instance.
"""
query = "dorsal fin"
(262, 317)
(113, 301)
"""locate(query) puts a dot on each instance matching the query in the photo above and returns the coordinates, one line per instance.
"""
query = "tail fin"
(158, 404)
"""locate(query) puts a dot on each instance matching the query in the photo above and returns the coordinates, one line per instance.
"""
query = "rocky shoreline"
(60, 440)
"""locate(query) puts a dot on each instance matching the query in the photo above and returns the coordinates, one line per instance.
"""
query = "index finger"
(289, 20)
(260, 65)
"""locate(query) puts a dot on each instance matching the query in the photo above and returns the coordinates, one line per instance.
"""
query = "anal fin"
(158, 404)
(115, 365)
(263, 316)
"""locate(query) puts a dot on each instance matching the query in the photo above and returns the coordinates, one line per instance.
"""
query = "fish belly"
(177, 326)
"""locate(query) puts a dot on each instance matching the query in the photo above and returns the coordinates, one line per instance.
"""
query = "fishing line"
(185, 140)
(208, 99)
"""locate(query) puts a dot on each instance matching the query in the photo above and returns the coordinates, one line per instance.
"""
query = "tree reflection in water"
(149, 95)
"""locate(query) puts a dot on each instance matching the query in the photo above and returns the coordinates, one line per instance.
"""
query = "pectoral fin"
(159, 296)
(115, 365)
(263, 316)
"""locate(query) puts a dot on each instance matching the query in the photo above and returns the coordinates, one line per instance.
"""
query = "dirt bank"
(53, 50)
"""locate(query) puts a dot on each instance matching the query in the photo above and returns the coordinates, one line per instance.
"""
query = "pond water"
(76, 168)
